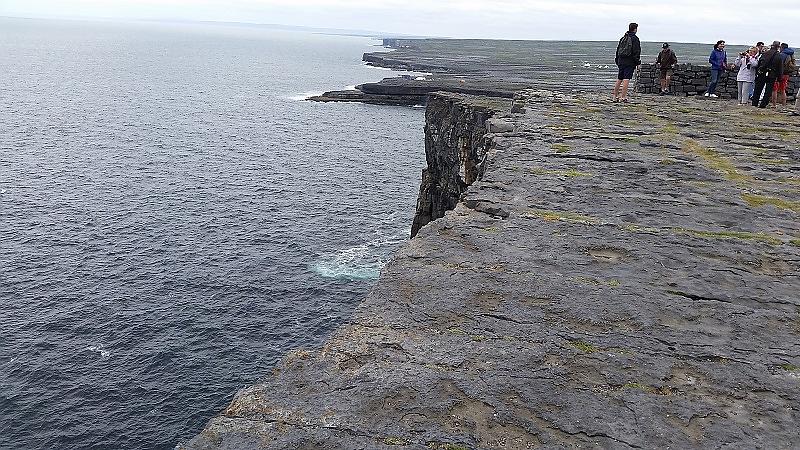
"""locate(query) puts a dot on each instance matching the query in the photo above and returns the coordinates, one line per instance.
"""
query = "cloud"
(676, 20)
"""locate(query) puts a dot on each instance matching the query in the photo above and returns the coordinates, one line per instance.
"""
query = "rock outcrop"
(617, 276)
(406, 91)
(475, 67)
(455, 150)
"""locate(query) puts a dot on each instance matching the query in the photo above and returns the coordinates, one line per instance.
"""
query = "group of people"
(762, 73)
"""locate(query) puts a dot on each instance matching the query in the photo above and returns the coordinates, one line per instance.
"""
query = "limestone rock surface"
(618, 276)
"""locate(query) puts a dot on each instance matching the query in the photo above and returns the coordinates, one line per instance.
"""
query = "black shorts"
(625, 72)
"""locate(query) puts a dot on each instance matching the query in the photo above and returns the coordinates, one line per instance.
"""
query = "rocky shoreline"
(407, 91)
(613, 276)
(449, 68)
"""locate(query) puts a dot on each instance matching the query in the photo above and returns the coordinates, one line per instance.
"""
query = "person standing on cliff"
(782, 83)
(761, 50)
(747, 62)
(628, 58)
(719, 62)
(797, 106)
(770, 68)
(666, 63)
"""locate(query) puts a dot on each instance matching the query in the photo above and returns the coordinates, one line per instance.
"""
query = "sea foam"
(100, 348)
(363, 262)
(305, 95)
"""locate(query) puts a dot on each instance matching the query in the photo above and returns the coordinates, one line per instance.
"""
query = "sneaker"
(706, 94)
(662, 93)
(713, 95)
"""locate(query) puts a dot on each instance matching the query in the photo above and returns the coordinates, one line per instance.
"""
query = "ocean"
(175, 218)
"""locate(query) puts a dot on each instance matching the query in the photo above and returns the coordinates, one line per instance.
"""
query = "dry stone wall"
(691, 79)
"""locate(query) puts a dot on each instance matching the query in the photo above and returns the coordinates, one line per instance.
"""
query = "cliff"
(455, 150)
(476, 67)
(616, 276)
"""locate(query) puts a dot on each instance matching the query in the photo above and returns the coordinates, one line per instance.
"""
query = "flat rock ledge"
(620, 276)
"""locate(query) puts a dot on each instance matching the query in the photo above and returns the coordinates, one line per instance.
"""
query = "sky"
(736, 21)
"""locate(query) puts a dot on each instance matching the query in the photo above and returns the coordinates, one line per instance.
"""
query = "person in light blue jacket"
(719, 62)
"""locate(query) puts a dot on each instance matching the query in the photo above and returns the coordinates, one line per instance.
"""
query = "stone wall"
(690, 79)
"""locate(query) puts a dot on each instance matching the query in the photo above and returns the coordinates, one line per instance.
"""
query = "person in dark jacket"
(719, 62)
(666, 62)
(782, 83)
(628, 57)
(770, 68)
(761, 50)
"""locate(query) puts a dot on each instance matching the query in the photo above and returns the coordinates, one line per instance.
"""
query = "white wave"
(305, 95)
(378, 67)
(363, 262)
(100, 348)
(588, 65)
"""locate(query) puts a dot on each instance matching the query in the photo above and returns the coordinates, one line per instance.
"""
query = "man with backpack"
(770, 68)
(789, 68)
(666, 62)
(628, 57)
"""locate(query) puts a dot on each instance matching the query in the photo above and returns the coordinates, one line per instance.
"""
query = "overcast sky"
(737, 21)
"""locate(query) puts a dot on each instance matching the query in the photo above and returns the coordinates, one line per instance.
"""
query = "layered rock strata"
(455, 150)
(404, 91)
(477, 67)
(619, 276)
(691, 79)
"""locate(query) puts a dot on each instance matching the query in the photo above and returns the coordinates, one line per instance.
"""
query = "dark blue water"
(172, 220)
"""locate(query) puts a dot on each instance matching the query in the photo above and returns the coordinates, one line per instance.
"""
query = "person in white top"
(747, 62)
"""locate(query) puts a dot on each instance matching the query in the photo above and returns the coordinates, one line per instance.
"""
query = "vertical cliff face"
(455, 149)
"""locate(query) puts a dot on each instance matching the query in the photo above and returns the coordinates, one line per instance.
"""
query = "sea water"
(174, 218)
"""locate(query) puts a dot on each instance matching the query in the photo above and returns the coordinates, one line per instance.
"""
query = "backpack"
(765, 69)
(791, 65)
(625, 47)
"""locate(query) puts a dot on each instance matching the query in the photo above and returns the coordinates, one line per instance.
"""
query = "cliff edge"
(616, 276)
